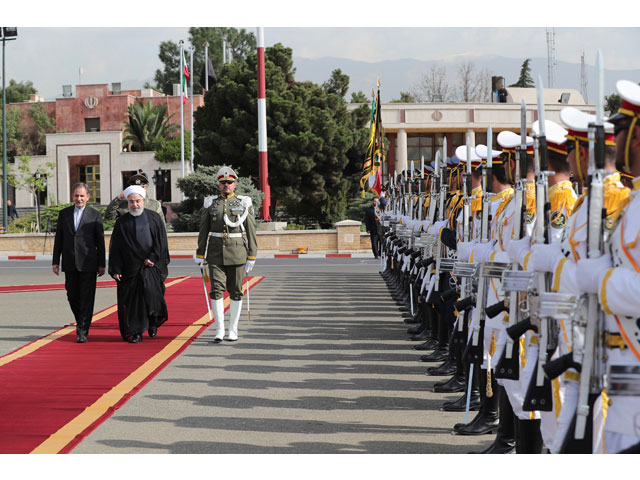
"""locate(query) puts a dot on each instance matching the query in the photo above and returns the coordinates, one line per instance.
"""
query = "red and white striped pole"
(262, 131)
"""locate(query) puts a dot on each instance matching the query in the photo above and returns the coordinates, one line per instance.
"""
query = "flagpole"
(262, 131)
(182, 110)
(206, 66)
(191, 102)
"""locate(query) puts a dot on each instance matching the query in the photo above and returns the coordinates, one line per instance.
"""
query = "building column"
(401, 151)
(471, 134)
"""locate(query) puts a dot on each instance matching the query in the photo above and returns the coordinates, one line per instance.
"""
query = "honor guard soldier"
(226, 220)
(119, 205)
(615, 277)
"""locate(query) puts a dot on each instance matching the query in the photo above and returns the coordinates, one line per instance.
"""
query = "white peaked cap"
(579, 121)
(135, 189)
(508, 139)
(481, 151)
(461, 153)
(554, 132)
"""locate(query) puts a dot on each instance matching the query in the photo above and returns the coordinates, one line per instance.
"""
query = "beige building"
(419, 129)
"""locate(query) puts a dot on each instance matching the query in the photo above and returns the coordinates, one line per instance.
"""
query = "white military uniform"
(619, 295)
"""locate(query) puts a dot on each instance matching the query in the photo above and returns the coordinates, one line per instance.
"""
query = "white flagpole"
(181, 110)
(206, 66)
(191, 102)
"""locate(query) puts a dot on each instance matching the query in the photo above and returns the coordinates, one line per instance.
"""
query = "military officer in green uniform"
(226, 219)
(119, 205)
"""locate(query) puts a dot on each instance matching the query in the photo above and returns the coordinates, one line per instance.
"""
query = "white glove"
(590, 272)
(464, 250)
(544, 256)
(249, 265)
(199, 261)
(517, 249)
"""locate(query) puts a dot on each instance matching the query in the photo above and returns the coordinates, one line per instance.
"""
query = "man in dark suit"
(80, 240)
(372, 217)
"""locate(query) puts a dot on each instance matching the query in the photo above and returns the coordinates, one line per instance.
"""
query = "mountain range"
(402, 75)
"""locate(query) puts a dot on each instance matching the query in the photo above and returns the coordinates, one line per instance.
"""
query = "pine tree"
(525, 80)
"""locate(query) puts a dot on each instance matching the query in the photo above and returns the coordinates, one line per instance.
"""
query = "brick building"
(88, 147)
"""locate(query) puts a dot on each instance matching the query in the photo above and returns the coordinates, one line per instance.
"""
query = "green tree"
(525, 80)
(200, 184)
(35, 141)
(313, 140)
(405, 97)
(612, 103)
(14, 132)
(359, 97)
(22, 177)
(147, 126)
(167, 150)
(19, 91)
(338, 83)
(240, 42)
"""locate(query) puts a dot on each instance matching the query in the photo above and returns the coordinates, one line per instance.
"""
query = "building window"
(91, 124)
(423, 144)
(90, 174)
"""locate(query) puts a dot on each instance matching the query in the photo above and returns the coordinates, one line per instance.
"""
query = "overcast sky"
(118, 41)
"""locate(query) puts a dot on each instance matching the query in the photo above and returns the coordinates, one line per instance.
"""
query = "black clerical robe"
(140, 293)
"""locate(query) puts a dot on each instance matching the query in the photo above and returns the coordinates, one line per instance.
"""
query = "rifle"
(507, 366)
(591, 374)
(465, 284)
(443, 195)
(539, 394)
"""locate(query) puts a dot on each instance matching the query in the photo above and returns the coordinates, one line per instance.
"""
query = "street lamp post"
(8, 34)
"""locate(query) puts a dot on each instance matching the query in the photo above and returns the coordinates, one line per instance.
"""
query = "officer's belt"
(225, 235)
(614, 340)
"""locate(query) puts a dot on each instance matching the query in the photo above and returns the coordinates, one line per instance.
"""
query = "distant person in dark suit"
(502, 94)
(372, 217)
(80, 241)
(11, 210)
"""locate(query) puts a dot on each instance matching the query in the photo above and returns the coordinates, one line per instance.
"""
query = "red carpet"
(56, 391)
(43, 287)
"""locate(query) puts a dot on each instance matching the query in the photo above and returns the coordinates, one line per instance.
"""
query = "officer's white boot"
(218, 316)
(234, 317)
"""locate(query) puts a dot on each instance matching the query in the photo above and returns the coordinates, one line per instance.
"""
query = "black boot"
(529, 437)
(487, 419)
(438, 355)
(505, 441)
(430, 344)
(447, 368)
(460, 404)
(455, 384)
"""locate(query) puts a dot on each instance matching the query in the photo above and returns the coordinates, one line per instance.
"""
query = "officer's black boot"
(487, 419)
(441, 352)
(460, 404)
(505, 441)
(457, 383)
(529, 437)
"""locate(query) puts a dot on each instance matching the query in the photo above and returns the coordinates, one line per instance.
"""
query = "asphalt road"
(324, 367)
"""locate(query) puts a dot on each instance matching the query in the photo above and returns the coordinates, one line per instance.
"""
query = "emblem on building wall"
(437, 115)
(91, 102)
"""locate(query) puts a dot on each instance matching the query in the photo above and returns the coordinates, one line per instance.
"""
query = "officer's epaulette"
(209, 200)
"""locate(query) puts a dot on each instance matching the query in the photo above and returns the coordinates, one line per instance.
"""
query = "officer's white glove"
(591, 271)
(517, 249)
(464, 251)
(544, 256)
(249, 265)
(199, 261)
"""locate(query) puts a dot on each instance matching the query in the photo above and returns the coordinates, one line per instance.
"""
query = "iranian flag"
(184, 80)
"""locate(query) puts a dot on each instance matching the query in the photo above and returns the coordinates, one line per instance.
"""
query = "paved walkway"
(324, 367)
